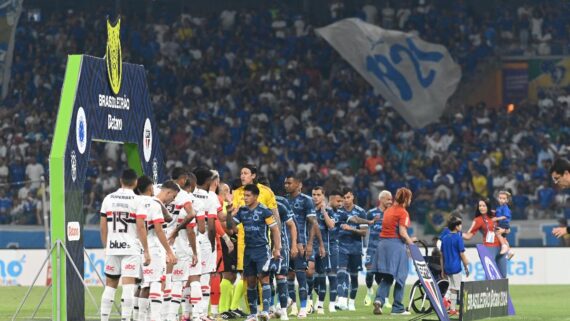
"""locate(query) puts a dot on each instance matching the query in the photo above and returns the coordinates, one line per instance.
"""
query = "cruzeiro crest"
(113, 56)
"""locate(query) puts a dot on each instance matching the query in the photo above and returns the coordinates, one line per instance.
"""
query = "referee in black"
(560, 173)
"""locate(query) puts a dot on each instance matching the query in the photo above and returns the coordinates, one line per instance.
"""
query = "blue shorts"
(351, 262)
(504, 224)
(254, 259)
(285, 264)
(370, 253)
(333, 258)
(299, 263)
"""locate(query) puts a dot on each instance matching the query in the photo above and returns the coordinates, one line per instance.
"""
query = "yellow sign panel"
(113, 56)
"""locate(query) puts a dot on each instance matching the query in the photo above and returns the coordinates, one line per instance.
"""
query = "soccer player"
(160, 250)
(335, 204)
(288, 251)
(123, 231)
(350, 249)
(560, 173)
(384, 201)
(186, 217)
(248, 175)
(182, 203)
(326, 220)
(255, 218)
(307, 227)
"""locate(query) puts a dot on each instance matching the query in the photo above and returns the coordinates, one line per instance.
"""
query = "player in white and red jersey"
(123, 233)
(159, 248)
(186, 245)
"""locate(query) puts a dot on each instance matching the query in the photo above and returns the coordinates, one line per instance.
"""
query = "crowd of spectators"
(258, 86)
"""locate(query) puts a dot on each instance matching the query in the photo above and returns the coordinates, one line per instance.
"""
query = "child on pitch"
(503, 219)
(452, 255)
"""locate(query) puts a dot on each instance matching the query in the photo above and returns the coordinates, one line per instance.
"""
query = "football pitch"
(532, 302)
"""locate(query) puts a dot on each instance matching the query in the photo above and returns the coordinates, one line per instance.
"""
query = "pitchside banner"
(428, 282)
(484, 299)
(492, 271)
(416, 76)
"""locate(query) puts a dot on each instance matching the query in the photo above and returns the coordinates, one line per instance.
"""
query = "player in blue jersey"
(384, 201)
(351, 216)
(326, 220)
(256, 219)
(335, 204)
(307, 228)
(288, 251)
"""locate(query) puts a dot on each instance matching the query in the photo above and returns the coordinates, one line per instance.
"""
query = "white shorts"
(454, 281)
(180, 271)
(123, 266)
(208, 258)
(157, 267)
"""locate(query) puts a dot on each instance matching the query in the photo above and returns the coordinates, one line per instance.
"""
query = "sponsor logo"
(118, 245)
(73, 166)
(154, 170)
(113, 56)
(114, 123)
(73, 231)
(130, 267)
(81, 130)
(147, 140)
(178, 272)
(148, 271)
(109, 268)
(493, 273)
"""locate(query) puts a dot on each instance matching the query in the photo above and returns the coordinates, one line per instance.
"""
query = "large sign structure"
(102, 100)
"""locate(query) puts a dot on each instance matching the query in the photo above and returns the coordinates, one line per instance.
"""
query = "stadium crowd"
(258, 86)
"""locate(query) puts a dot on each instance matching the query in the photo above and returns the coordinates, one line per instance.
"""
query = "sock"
(291, 290)
(453, 301)
(226, 289)
(310, 286)
(136, 309)
(155, 297)
(369, 280)
(272, 295)
(167, 297)
(203, 306)
(186, 305)
(127, 301)
(239, 290)
(322, 286)
(282, 292)
(302, 280)
(144, 308)
(107, 300)
(195, 298)
(342, 301)
(176, 298)
(215, 293)
(252, 299)
(350, 302)
(353, 285)
(266, 297)
(342, 283)
(333, 287)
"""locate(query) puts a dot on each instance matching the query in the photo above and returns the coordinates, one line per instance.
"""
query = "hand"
(466, 270)
(229, 244)
(294, 251)
(345, 227)
(370, 222)
(322, 252)
(414, 239)
(276, 253)
(171, 258)
(171, 238)
(559, 231)
(146, 258)
(308, 251)
(376, 218)
(194, 260)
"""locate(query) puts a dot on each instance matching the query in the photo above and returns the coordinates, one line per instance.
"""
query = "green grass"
(531, 302)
